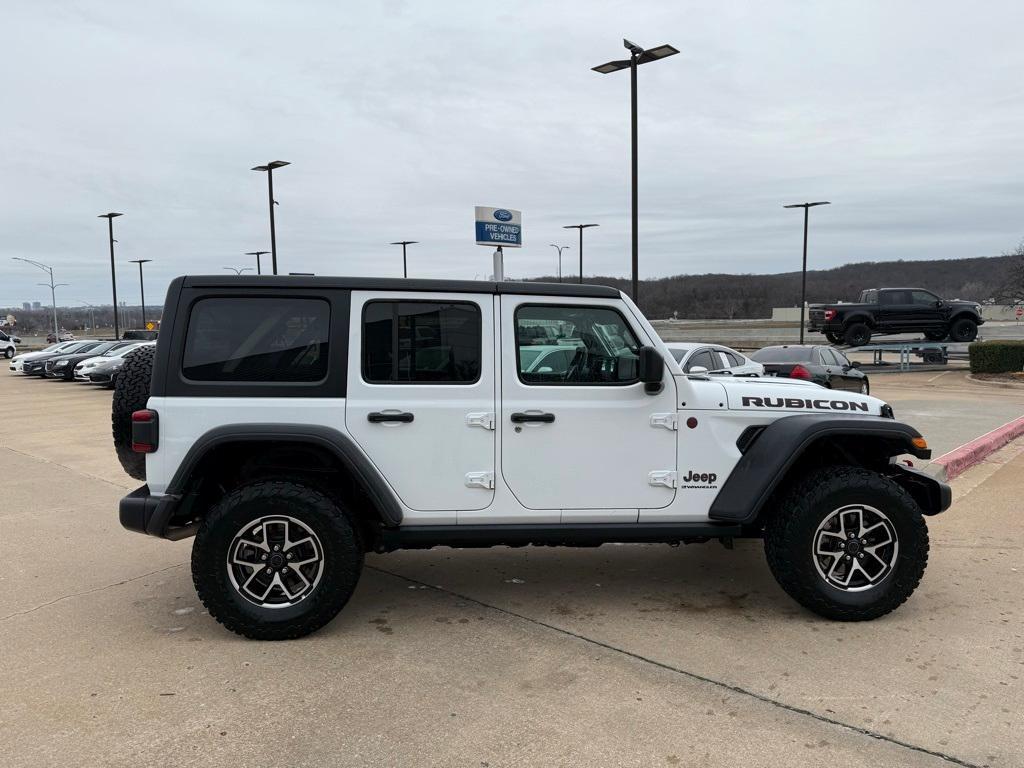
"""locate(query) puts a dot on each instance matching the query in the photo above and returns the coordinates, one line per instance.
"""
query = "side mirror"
(652, 369)
(854, 364)
(698, 370)
(938, 302)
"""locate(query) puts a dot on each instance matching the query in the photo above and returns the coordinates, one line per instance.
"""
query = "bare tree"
(1012, 289)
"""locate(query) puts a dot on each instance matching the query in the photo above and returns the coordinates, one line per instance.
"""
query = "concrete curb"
(1001, 384)
(966, 456)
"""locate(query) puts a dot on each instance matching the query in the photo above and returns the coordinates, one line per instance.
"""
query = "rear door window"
(421, 342)
(257, 339)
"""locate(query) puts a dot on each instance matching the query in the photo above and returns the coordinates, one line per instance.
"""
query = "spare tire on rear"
(130, 394)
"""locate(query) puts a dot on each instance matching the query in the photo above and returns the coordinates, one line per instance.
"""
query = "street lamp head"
(404, 242)
(139, 261)
(271, 165)
(580, 226)
(257, 253)
(807, 205)
(658, 52)
(110, 215)
(612, 66)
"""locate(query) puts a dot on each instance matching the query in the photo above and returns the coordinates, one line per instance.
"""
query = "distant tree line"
(720, 296)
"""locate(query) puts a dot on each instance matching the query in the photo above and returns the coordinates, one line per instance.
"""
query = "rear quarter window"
(257, 339)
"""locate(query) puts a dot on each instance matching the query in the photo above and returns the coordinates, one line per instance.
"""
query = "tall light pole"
(113, 276)
(580, 227)
(803, 271)
(559, 248)
(238, 270)
(269, 169)
(405, 264)
(51, 285)
(257, 254)
(142, 287)
(92, 313)
(637, 56)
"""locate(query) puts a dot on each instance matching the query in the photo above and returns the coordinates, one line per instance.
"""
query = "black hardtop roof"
(398, 284)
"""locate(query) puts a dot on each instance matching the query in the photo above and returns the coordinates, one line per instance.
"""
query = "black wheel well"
(228, 465)
(871, 452)
(964, 315)
(857, 319)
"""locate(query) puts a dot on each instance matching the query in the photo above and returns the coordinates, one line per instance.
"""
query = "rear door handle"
(377, 417)
(544, 418)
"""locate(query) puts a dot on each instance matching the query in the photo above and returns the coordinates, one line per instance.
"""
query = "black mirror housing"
(652, 369)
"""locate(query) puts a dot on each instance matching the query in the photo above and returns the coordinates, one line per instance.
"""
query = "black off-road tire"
(857, 335)
(834, 338)
(790, 532)
(8, 353)
(130, 394)
(342, 557)
(935, 335)
(963, 330)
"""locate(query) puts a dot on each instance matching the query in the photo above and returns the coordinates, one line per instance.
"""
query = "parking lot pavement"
(622, 655)
(946, 407)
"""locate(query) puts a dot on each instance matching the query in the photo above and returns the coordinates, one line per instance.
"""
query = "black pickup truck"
(896, 310)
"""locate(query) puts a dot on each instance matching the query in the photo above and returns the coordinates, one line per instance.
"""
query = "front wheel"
(847, 543)
(276, 560)
(8, 353)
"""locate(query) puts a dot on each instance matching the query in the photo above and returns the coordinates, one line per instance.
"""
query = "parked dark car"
(140, 334)
(37, 365)
(63, 366)
(896, 310)
(822, 365)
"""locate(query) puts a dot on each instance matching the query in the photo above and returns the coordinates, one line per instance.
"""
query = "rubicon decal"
(793, 403)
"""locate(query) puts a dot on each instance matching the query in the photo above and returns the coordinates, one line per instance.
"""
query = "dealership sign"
(499, 226)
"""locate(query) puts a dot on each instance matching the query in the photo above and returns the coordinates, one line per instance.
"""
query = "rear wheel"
(857, 335)
(963, 330)
(130, 394)
(847, 543)
(835, 338)
(276, 560)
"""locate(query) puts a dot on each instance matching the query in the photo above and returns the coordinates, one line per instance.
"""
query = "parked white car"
(7, 346)
(713, 358)
(18, 361)
(84, 368)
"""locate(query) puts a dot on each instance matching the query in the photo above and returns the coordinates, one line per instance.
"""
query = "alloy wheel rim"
(275, 561)
(855, 548)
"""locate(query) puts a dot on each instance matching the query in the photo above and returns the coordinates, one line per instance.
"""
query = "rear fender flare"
(337, 443)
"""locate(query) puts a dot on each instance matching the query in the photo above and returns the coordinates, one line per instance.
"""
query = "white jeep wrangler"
(293, 423)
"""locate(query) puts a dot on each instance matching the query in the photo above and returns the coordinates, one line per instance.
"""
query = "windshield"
(783, 354)
(121, 351)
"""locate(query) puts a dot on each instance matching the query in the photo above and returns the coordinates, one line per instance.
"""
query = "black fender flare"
(339, 444)
(777, 448)
(964, 314)
(858, 317)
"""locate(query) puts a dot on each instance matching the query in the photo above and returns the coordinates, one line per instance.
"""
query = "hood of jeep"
(767, 395)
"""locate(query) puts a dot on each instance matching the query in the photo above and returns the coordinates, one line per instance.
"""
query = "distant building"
(25, 305)
(36, 305)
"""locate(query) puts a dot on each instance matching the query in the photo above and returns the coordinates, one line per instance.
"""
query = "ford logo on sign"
(502, 215)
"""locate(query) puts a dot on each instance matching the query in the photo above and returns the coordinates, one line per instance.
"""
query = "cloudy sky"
(399, 117)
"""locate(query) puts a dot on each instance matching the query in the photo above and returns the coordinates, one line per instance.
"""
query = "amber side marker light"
(920, 442)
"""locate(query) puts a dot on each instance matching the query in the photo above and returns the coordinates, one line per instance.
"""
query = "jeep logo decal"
(794, 403)
(706, 479)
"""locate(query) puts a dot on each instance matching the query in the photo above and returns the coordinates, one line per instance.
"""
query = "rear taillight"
(799, 372)
(830, 314)
(145, 431)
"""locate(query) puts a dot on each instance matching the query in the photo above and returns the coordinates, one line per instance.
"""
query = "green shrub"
(996, 356)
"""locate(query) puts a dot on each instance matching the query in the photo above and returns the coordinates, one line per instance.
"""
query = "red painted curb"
(969, 454)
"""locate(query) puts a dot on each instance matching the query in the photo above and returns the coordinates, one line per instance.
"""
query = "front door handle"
(376, 417)
(544, 418)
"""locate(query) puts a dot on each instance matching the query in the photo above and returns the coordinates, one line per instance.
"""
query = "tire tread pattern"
(130, 394)
(802, 502)
(339, 580)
